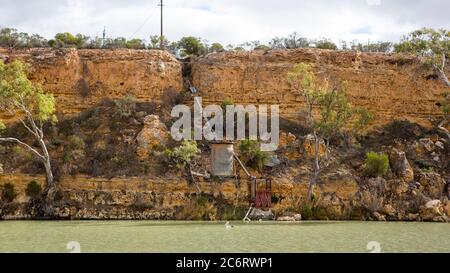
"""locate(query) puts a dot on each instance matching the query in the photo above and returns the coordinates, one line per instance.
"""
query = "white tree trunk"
(444, 77)
(441, 70)
(313, 181)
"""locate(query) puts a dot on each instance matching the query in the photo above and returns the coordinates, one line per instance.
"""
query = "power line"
(145, 22)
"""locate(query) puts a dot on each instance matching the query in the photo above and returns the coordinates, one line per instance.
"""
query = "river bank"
(85, 198)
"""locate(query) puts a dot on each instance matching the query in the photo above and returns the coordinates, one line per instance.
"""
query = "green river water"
(168, 237)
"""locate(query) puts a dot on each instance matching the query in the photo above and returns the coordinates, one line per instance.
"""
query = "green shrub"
(376, 164)
(276, 199)
(232, 213)
(226, 103)
(67, 39)
(198, 207)
(135, 44)
(320, 213)
(183, 154)
(252, 155)
(117, 159)
(21, 154)
(33, 189)
(191, 46)
(307, 212)
(9, 192)
(427, 169)
(124, 108)
(326, 44)
(76, 143)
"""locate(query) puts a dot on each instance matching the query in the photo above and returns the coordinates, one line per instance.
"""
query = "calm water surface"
(126, 236)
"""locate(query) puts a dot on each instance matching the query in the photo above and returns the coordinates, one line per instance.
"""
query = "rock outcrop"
(258, 214)
(432, 184)
(400, 165)
(153, 136)
(433, 211)
(295, 218)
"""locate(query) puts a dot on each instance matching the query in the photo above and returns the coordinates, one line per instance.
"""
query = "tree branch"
(28, 128)
(30, 118)
(441, 70)
(41, 128)
(28, 147)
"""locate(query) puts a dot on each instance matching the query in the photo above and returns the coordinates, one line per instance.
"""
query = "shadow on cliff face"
(397, 130)
(293, 127)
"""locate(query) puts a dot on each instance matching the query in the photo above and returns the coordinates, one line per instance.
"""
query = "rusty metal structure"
(260, 189)
(223, 160)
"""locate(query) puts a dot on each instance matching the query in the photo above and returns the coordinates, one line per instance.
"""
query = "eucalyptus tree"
(431, 46)
(33, 107)
(328, 114)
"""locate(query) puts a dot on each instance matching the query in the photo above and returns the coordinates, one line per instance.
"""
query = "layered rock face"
(390, 86)
(81, 78)
(139, 198)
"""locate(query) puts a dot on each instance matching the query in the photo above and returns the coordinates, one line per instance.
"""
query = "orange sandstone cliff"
(390, 86)
(81, 78)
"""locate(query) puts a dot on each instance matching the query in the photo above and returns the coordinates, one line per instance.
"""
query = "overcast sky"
(228, 21)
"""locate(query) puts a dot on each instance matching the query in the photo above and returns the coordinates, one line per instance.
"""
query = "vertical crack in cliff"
(186, 71)
(82, 86)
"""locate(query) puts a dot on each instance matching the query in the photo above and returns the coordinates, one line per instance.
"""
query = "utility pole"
(104, 37)
(161, 45)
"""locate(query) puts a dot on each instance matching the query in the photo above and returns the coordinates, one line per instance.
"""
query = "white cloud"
(231, 21)
(373, 2)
